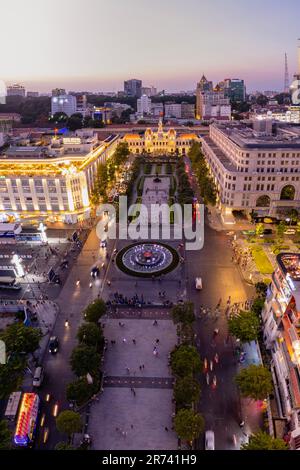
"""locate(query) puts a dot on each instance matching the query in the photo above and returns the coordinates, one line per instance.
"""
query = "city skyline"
(96, 46)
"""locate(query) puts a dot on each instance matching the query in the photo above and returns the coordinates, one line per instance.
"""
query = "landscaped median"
(262, 262)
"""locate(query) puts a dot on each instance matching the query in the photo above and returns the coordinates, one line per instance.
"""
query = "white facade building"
(254, 171)
(157, 109)
(144, 105)
(64, 104)
(173, 110)
(54, 181)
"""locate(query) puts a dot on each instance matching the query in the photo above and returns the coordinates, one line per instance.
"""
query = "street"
(221, 279)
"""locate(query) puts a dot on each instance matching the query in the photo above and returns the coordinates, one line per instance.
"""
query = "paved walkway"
(144, 312)
(139, 382)
(135, 409)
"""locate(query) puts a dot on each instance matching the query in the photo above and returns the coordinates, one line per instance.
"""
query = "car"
(95, 271)
(198, 283)
(38, 377)
(290, 231)
(103, 244)
(53, 345)
(209, 440)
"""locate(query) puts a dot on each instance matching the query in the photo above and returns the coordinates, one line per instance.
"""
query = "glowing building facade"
(281, 317)
(160, 142)
(53, 181)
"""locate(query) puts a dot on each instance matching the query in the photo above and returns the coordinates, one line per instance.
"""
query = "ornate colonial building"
(160, 142)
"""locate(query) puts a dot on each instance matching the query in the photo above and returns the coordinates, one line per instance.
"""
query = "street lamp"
(17, 262)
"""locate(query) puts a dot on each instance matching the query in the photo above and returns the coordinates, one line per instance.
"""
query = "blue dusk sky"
(96, 44)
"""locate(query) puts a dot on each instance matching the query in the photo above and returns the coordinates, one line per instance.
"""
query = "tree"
(188, 425)
(64, 446)
(68, 422)
(293, 215)
(263, 441)
(255, 382)
(186, 391)
(80, 391)
(257, 306)
(75, 122)
(183, 313)
(19, 338)
(59, 117)
(90, 334)
(259, 229)
(262, 100)
(5, 436)
(95, 310)
(11, 375)
(84, 360)
(281, 227)
(121, 153)
(185, 360)
(261, 289)
(244, 326)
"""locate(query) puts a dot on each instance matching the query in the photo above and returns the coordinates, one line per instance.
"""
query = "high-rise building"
(234, 89)
(213, 105)
(58, 91)
(16, 90)
(144, 105)
(202, 85)
(187, 111)
(81, 104)
(133, 87)
(64, 104)
(149, 91)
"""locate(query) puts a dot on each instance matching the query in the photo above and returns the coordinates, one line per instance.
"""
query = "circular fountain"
(147, 259)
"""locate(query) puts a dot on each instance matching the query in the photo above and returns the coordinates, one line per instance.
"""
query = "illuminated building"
(290, 115)
(160, 142)
(254, 168)
(103, 114)
(63, 104)
(202, 85)
(143, 105)
(213, 105)
(54, 180)
(281, 317)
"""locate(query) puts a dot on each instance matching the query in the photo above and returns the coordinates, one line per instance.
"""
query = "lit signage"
(72, 140)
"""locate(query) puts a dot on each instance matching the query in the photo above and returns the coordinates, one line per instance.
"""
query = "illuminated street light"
(42, 228)
(17, 262)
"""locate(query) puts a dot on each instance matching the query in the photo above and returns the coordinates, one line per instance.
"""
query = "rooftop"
(290, 264)
(285, 136)
(224, 160)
